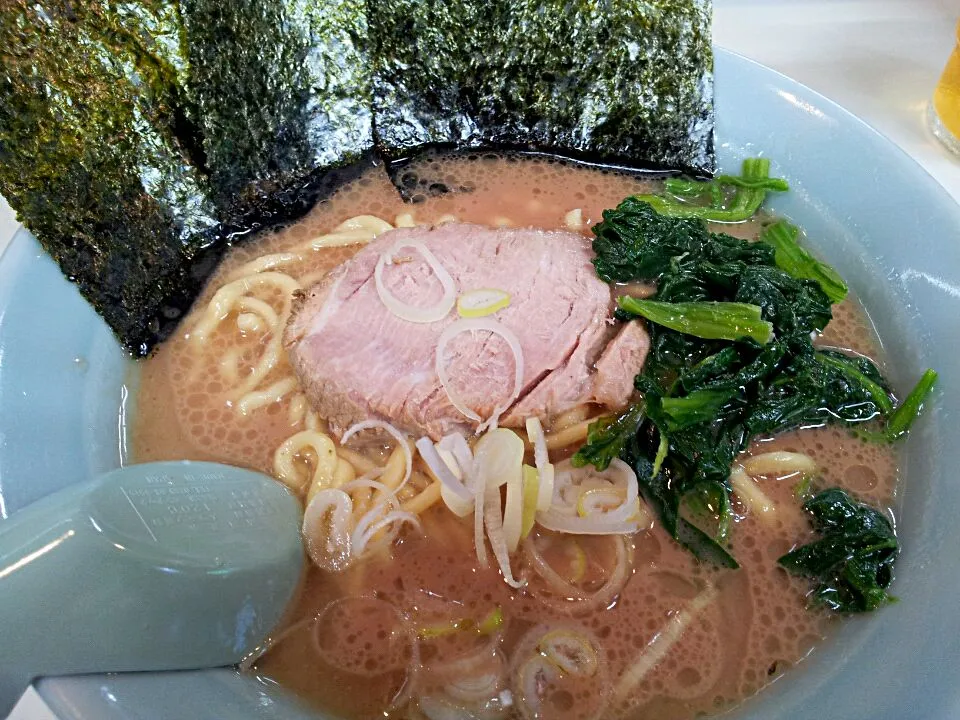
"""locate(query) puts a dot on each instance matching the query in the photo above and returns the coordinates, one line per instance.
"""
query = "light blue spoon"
(160, 566)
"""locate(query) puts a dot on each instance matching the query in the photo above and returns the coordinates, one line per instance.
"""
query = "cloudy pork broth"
(419, 627)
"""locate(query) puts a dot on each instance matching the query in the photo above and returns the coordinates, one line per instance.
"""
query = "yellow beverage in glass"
(945, 109)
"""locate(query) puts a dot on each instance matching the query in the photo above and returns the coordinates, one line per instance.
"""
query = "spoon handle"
(161, 566)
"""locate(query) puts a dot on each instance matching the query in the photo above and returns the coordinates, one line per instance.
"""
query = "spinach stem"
(794, 260)
(750, 188)
(909, 410)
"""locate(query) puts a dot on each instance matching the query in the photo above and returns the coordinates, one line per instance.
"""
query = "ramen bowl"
(66, 392)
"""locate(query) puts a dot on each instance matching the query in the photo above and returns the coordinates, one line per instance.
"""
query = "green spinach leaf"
(654, 486)
(634, 241)
(607, 436)
(909, 410)
(853, 561)
(728, 198)
(704, 319)
(709, 386)
(792, 258)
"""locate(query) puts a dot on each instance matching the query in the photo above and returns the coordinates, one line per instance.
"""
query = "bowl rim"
(812, 692)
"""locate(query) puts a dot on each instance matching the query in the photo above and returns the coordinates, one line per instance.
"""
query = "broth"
(755, 627)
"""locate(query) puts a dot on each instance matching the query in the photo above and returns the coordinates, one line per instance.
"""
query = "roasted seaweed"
(91, 163)
(279, 89)
(138, 139)
(613, 82)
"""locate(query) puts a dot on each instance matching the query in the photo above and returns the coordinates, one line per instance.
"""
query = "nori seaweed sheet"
(138, 139)
(617, 82)
(89, 160)
(280, 88)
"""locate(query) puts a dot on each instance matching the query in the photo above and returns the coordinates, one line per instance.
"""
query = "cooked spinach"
(792, 258)
(862, 372)
(904, 416)
(853, 560)
(607, 437)
(727, 198)
(635, 241)
(695, 408)
(714, 379)
(704, 319)
(669, 505)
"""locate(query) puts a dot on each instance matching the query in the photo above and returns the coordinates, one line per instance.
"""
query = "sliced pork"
(358, 360)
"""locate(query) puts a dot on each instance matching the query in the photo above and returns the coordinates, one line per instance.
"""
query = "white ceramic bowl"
(886, 226)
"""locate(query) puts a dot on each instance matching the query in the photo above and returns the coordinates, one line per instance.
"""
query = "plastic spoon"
(160, 566)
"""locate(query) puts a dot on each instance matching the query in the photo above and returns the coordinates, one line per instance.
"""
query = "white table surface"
(880, 59)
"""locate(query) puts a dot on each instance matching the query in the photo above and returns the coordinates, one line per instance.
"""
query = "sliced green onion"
(533, 677)
(440, 365)
(498, 460)
(573, 514)
(541, 459)
(570, 652)
(578, 559)
(442, 629)
(513, 510)
(492, 622)
(485, 301)
(406, 311)
(531, 492)
(599, 500)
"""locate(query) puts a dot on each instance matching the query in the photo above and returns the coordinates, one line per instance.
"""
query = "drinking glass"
(943, 113)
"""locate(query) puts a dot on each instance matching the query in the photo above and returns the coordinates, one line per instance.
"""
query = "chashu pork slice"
(358, 361)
